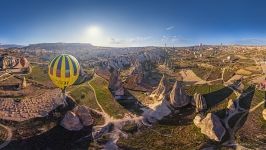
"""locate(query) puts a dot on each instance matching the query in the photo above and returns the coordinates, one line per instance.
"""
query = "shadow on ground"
(56, 138)
(185, 116)
(235, 122)
(217, 97)
(130, 102)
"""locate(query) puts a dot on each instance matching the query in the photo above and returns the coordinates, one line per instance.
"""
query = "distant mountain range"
(60, 46)
(10, 46)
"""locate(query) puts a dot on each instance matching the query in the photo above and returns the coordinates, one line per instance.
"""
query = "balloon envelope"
(64, 70)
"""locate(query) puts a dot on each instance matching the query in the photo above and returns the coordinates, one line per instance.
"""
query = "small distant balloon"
(64, 70)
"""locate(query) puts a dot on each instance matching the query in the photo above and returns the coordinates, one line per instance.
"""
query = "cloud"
(172, 39)
(251, 41)
(134, 41)
(3, 41)
(169, 38)
(170, 28)
(115, 41)
(176, 40)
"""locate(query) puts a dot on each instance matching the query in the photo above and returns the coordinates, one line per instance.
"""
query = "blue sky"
(133, 22)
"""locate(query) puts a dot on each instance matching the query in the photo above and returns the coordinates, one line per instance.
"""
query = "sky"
(120, 23)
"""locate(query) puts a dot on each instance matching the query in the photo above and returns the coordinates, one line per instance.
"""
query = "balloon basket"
(64, 97)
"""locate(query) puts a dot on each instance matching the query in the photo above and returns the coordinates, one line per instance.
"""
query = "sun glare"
(94, 31)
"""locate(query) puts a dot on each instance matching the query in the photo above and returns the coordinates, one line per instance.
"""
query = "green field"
(83, 95)
(178, 134)
(40, 74)
(203, 89)
(105, 98)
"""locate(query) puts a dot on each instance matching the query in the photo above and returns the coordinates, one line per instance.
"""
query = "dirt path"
(9, 136)
(223, 70)
(115, 124)
(257, 106)
(106, 116)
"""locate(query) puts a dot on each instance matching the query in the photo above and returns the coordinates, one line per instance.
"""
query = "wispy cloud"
(251, 41)
(134, 41)
(3, 41)
(174, 39)
(170, 28)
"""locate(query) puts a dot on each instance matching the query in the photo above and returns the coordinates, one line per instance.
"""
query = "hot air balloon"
(64, 71)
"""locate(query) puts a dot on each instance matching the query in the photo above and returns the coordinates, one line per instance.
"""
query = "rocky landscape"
(151, 93)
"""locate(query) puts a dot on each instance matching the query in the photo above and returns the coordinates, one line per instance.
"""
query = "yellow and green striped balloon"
(64, 70)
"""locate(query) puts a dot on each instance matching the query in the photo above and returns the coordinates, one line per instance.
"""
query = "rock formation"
(159, 93)
(78, 118)
(137, 74)
(197, 120)
(264, 113)
(24, 83)
(160, 111)
(178, 97)
(14, 64)
(115, 83)
(71, 122)
(210, 126)
(84, 115)
(169, 102)
(228, 121)
(199, 102)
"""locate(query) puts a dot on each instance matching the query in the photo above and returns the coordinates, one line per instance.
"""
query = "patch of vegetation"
(39, 73)
(139, 95)
(201, 72)
(203, 89)
(105, 98)
(130, 128)
(210, 94)
(229, 73)
(84, 95)
(164, 137)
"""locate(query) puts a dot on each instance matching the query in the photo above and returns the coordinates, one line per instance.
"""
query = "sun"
(94, 34)
(94, 31)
